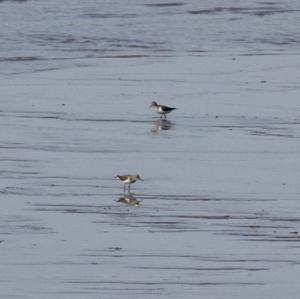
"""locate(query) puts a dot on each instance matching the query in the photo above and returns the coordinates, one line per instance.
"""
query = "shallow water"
(39, 36)
(219, 205)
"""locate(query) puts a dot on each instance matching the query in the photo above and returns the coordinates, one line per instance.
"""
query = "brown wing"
(122, 177)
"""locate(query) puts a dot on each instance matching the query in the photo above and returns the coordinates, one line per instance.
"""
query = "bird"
(161, 109)
(128, 179)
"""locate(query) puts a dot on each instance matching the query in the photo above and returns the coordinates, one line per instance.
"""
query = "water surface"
(219, 205)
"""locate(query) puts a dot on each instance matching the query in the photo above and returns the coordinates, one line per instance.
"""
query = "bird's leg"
(124, 188)
(129, 187)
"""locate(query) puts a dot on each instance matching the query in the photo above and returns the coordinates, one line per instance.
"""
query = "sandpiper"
(129, 199)
(161, 109)
(128, 179)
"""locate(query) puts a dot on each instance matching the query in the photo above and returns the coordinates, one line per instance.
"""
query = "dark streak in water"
(61, 149)
(270, 134)
(154, 283)
(186, 197)
(254, 11)
(19, 59)
(127, 56)
(202, 268)
(109, 15)
(167, 4)
(64, 117)
(272, 240)
(211, 259)
(8, 172)
(15, 1)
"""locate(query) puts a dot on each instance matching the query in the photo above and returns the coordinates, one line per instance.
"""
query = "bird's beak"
(141, 179)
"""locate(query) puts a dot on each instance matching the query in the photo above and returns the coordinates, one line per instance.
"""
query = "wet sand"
(219, 211)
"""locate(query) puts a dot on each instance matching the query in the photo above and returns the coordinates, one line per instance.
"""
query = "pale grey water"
(219, 212)
(41, 35)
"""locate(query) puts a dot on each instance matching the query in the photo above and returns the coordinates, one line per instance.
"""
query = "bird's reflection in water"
(129, 199)
(162, 125)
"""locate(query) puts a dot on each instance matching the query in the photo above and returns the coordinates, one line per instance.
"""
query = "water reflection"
(129, 199)
(162, 125)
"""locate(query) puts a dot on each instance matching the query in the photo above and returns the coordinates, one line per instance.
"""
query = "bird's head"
(138, 177)
(154, 104)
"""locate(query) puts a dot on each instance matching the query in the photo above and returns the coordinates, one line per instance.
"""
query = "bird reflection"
(162, 125)
(129, 199)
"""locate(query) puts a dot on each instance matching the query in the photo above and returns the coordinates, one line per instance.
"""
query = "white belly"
(159, 110)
